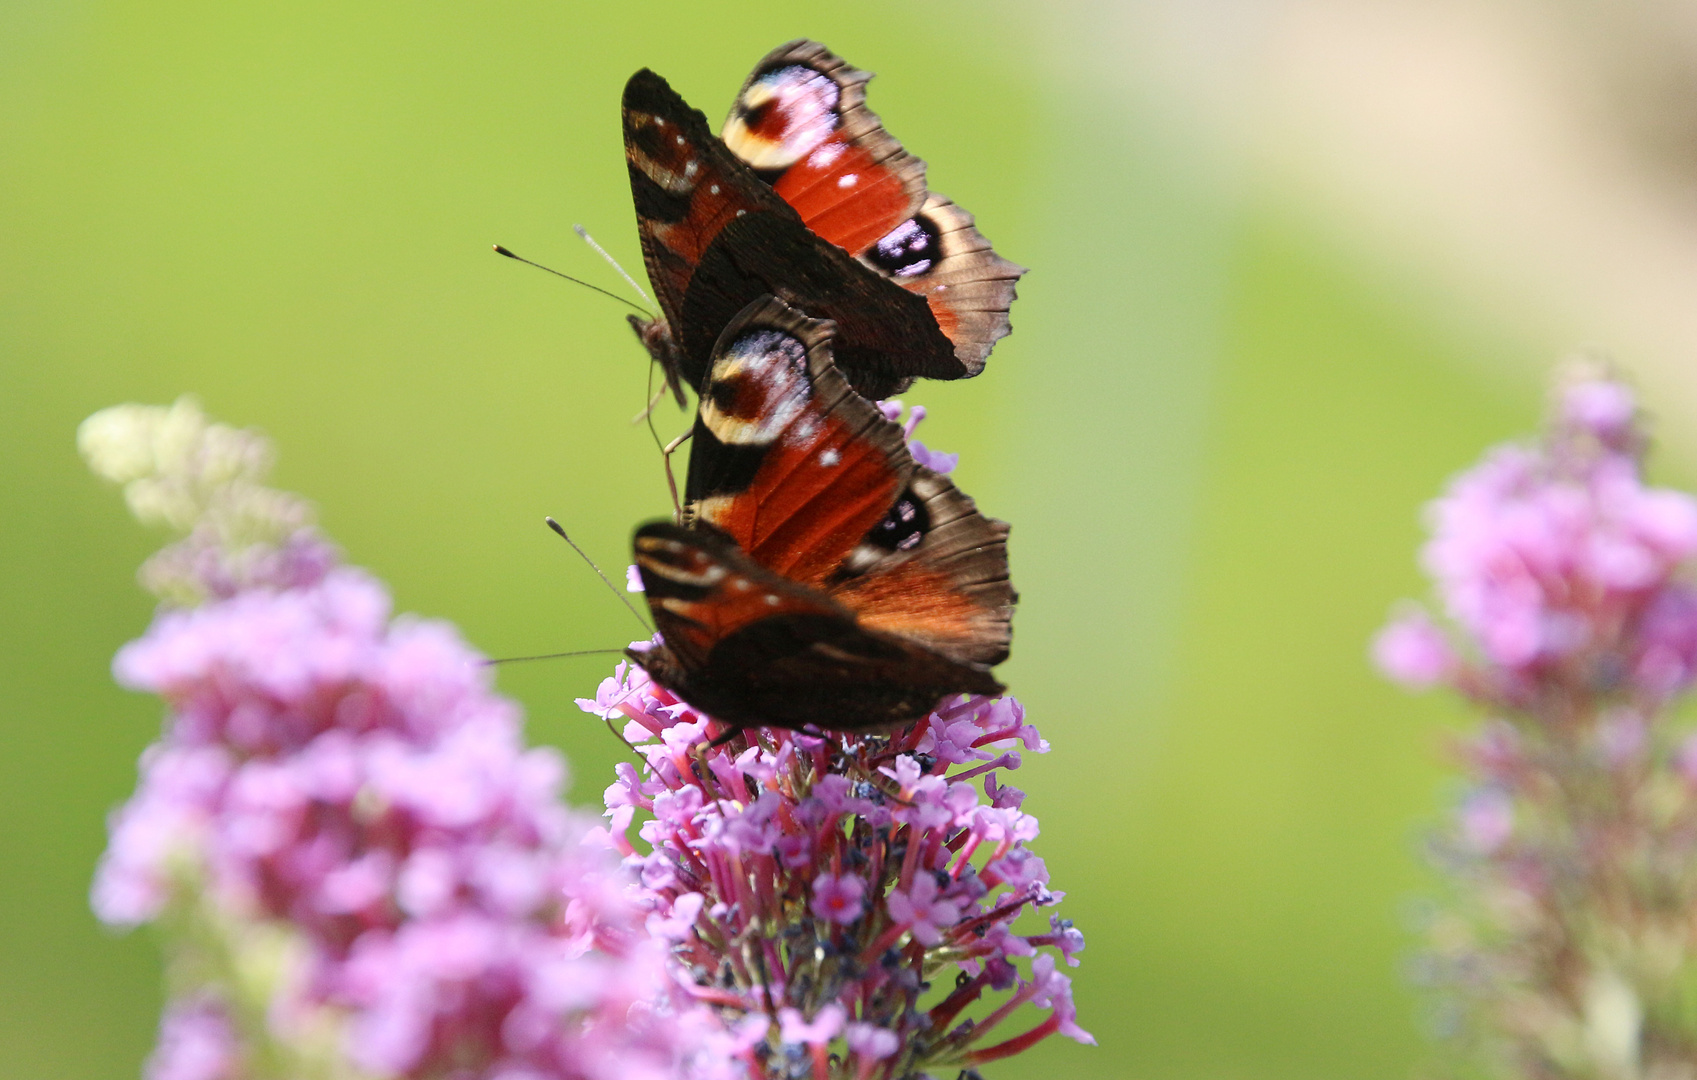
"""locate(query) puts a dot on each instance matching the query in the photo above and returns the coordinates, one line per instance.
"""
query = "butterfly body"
(820, 576)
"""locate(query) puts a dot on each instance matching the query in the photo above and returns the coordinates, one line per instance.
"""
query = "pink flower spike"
(353, 782)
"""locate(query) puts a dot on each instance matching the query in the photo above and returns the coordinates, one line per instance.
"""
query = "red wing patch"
(786, 460)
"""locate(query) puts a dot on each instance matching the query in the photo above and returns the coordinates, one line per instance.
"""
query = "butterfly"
(820, 576)
(806, 198)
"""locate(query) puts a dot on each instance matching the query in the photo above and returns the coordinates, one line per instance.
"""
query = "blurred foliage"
(1211, 432)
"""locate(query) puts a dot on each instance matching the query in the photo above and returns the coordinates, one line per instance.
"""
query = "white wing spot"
(742, 584)
(848, 181)
(740, 213)
(690, 169)
(829, 457)
(680, 140)
(772, 599)
(713, 188)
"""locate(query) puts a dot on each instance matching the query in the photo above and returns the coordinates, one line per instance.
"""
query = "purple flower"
(1602, 407)
(838, 897)
(1486, 820)
(870, 1043)
(1557, 556)
(934, 460)
(920, 911)
(816, 1032)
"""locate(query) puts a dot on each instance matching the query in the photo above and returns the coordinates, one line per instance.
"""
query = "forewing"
(751, 648)
(701, 589)
(801, 121)
(686, 186)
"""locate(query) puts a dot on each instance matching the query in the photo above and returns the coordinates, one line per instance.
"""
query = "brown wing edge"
(973, 550)
(971, 282)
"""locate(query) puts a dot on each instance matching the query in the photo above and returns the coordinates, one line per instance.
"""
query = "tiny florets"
(833, 880)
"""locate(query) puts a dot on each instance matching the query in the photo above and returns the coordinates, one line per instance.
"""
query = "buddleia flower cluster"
(1568, 943)
(357, 866)
(846, 902)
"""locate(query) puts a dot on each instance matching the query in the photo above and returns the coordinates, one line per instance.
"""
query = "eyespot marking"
(911, 248)
(756, 389)
(782, 115)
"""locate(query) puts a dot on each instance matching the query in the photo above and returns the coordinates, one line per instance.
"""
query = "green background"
(1211, 431)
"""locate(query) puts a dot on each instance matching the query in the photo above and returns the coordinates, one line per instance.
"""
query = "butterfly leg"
(666, 453)
(724, 737)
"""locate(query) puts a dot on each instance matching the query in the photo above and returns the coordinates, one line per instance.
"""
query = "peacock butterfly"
(809, 199)
(820, 576)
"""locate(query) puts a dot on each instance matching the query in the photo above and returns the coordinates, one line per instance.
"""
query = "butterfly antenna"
(550, 656)
(654, 400)
(583, 233)
(623, 599)
(499, 250)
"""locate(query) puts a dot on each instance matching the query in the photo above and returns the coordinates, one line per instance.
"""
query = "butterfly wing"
(802, 123)
(810, 481)
(715, 237)
(754, 649)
